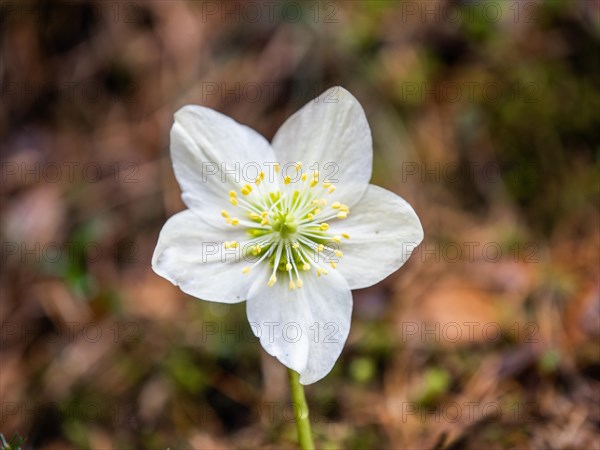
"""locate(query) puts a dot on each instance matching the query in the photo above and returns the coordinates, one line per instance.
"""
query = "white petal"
(306, 328)
(330, 134)
(384, 230)
(189, 254)
(213, 154)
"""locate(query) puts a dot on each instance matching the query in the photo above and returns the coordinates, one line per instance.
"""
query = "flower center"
(285, 224)
(288, 229)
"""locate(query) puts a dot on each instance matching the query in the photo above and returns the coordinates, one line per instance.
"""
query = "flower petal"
(190, 254)
(213, 154)
(306, 328)
(384, 230)
(330, 134)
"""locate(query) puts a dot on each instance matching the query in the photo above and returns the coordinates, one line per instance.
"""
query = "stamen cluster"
(289, 229)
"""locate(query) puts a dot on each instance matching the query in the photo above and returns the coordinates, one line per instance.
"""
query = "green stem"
(302, 416)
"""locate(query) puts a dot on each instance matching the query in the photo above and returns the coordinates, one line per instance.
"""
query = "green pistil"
(285, 225)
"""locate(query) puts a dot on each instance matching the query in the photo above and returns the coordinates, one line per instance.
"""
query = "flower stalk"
(302, 414)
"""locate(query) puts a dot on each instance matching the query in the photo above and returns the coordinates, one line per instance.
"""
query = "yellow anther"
(254, 216)
(264, 222)
(235, 221)
(324, 226)
(298, 165)
(272, 281)
(326, 184)
(232, 194)
(338, 253)
(298, 283)
(317, 210)
(320, 247)
(333, 265)
(306, 266)
(304, 177)
(233, 201)
(292, 285)
(314, 182)
(259, 178)
(232, 244)
(287, 179)
(345, 235)
(295, 245)
(310, 216)
(337, 238)
(342, 215)
(288, 267)
(224, 213)
(264, 214)
(336, 205)
(276, 167)
(331, 189)
(246, 189)
(344, 208)
(316, 174)
(319, 271)
(246, 270)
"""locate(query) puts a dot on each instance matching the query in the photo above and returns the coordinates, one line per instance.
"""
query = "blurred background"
(485, 117)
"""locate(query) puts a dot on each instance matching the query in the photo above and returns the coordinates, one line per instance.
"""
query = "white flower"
(289, 227)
